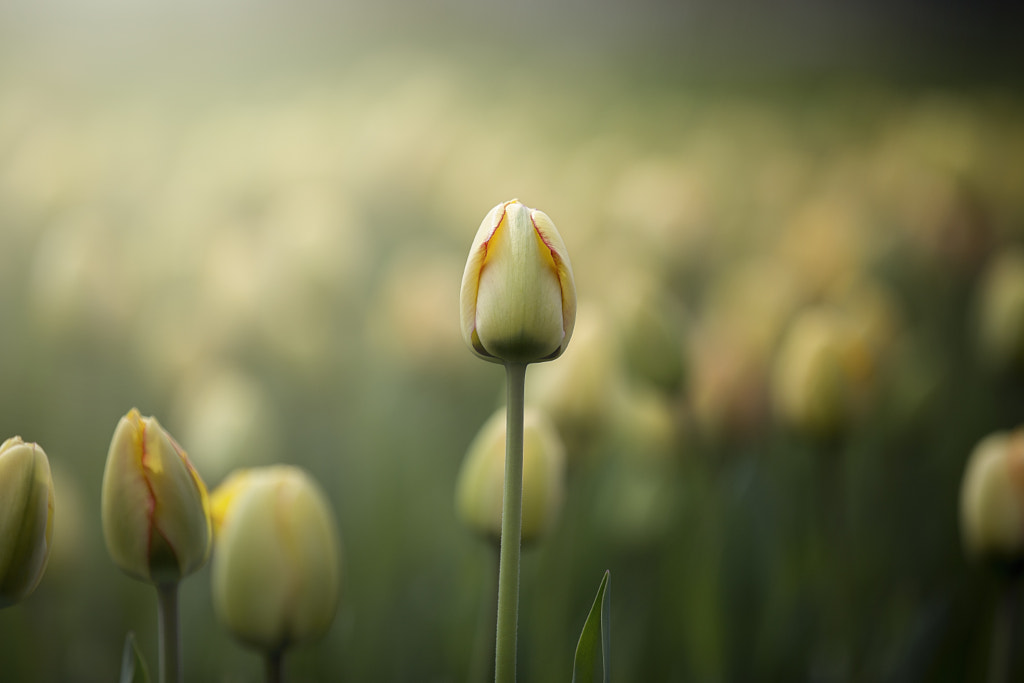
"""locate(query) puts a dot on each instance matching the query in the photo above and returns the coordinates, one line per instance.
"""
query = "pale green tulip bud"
(578, 392)
(518, 295)
(156, 512)
(276, 565)
(481, 484)
(26, 518)
(992, 499)
(811, 387)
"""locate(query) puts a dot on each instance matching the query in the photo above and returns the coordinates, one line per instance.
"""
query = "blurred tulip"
(518, 296)
(26, 518)
(156, 513)
(729, 384)
(745, 313)
(826, 242)
(276, 566)
(1000, 310)
(992, 499)
(227, 419)
(72, 543)
(874, 325)
(650, 325)
(578, 392)
(408, 319)
(480, 486)
(639, 493)
(646, 425)
(810, 385)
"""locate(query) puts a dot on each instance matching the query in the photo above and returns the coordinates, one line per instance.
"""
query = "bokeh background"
(793, 230)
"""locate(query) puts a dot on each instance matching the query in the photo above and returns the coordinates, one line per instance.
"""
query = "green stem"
(170, 633)
(511, 528)
(275, 666)
(1004, 632)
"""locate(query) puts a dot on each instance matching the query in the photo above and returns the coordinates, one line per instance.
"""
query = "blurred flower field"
(796, 319)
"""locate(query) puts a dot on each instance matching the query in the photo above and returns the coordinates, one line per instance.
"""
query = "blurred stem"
(275, 666)
(511, 528)
(483, 646)
(170, 633)
(1005, 630)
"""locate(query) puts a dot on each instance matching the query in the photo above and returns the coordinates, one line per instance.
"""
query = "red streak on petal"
(554, 254)
(151, 511)
(485, 247)
(540, 236)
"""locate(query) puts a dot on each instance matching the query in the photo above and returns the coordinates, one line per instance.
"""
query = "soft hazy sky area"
(739, 39)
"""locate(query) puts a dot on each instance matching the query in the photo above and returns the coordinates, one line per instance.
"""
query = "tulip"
(156, 512)
(276, 563)
(992, 527)
(478, 492)
(992, 499)
(578, 392)
(26, 518)
(518, 305)
(518, 294)
(156, 520)
(1000, 311)
(811, 383)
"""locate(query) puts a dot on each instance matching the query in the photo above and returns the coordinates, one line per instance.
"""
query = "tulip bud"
(1000, 311)
(518, 296)
(276, 566)
(992, 499)
(579, 391)
(481, 483)
(26, 518)
(156, 513)
(810, 384)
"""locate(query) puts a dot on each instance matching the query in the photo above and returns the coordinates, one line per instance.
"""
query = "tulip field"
(798, 308)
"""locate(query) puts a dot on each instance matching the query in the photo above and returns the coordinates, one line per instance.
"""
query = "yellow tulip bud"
(26, 518)
(156, 513)
(518, 295)
(481, 483)
(992, 498)
(276, 566)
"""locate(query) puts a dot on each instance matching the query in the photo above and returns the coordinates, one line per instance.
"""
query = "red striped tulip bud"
(156, 512)
(518, 296)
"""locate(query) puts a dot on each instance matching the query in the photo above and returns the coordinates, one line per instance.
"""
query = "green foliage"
(593, 652)
(133, 664)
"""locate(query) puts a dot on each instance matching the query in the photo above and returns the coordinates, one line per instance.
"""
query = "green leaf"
(133, 665)
(595, 640)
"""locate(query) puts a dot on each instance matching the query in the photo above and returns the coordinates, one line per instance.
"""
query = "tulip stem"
(170, 633)
(1005, 630)
(275, 666)
(481, 666)
(511, 528)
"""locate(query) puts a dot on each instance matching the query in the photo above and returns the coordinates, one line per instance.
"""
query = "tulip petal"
(471, 278)
(128, 501)
(560, 255)
(181, 493)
